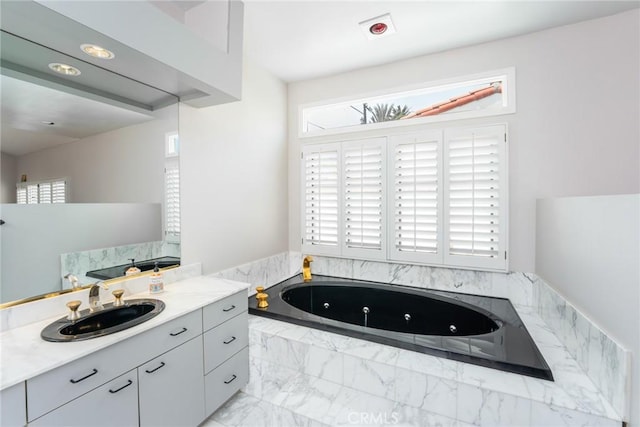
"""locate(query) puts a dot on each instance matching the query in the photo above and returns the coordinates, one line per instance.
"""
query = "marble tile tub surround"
(78, 263)
(604, 361)
(35, 311)
(324, 377)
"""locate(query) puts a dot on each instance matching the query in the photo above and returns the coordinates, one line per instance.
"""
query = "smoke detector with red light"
(380, 26)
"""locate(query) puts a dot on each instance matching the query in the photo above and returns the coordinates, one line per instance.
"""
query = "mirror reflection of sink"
(104, 322)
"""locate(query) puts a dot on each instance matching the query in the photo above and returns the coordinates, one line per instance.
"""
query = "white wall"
(8, 178)
(576, 128)
(124, 165)
(588, 249)
(234, 176)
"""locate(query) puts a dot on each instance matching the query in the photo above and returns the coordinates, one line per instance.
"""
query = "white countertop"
(24, 354)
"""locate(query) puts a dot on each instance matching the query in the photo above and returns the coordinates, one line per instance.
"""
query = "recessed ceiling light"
(97, 51)
(65, 69)
(380, 26)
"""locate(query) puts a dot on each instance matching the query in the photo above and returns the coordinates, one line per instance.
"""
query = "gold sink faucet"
(306, 268)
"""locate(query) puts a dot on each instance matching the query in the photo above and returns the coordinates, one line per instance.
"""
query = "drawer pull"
(95, 371)
(233, 377)
(121, 388)
(153, 370)
(229, 309)
(230, 341)
(175, 334)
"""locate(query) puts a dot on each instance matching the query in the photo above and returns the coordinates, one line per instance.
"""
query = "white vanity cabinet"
(226, 352)
(112, 404)
(13, 406)
(171, 387)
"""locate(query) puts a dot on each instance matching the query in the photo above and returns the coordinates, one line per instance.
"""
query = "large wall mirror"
(111, 140)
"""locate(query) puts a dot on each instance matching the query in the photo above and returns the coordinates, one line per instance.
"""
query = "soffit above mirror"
(149, 46)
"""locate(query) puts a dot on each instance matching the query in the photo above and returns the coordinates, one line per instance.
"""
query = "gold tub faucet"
(306, 268)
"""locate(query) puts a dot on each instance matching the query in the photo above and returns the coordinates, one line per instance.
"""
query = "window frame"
(509, 75)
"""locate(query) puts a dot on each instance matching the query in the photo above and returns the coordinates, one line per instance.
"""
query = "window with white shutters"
(52, 191)
(172, 199)
(476, 197)
(320, 177)
(363, 164)
(440, 196)
(416, 196)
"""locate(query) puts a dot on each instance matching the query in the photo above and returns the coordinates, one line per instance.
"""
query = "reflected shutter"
(363, 197)
(320, 193)
(58, 192)
(476, 197)
(172, 196)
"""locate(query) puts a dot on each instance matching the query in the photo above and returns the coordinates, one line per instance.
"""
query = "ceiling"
(25, 106)
(304, 39)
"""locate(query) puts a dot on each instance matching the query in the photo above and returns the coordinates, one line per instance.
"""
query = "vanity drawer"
(225, 380)
(58, 386)
(225, 309)
(167, 336)
(112, 404)
(225, 340)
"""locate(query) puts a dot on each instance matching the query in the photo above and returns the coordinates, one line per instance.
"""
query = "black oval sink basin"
(104, 322)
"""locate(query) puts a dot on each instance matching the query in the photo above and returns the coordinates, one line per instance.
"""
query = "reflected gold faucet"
(306, 268)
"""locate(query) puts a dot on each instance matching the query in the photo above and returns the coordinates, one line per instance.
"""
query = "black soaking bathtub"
(476, 329)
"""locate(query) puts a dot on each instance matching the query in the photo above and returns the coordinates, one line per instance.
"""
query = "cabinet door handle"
(121, 388)
(230, 341)
(95, 371)
(175, 334)
(229, 308)
(153, 370)
(233, 377)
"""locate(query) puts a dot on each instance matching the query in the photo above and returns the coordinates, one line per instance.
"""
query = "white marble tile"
(489, 408)
(544, 415)
(371, 270)
(325, 364)
(336, 267)
(369, 376)
(354, 408)
(427, 364)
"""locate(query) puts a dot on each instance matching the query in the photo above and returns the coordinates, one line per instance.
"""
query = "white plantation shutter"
(54, 191)
(44, 192)
(476, 197)
(320, 216)
(172, 198)
(58, 192)
(21, 195)
(415, 166)
(363, 198)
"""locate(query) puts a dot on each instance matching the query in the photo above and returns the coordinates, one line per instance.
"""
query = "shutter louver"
(21, 195)
(474, 195)
(58, 192)
(416, 197)
(363, 186)
(321, 198)
(32, 193)
(172, 195)
(44, 192)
